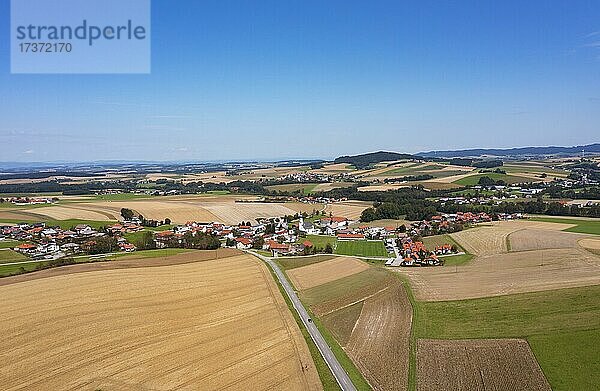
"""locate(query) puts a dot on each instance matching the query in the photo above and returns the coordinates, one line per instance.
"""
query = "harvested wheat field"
(472, 365)
(503, 274)
(234, 213)
(348, 209)
(18, 215)
(306, 277)
(183, 210)
(206, 325)
(300, 207)
(536, 239)
(380, 340)
(592, 245)
(484, 240)
(178, 211)
(492, 238)
(334, 169)
(68, 213)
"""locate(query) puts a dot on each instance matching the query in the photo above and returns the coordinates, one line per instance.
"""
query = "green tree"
(146, 242)
(258, 243)
(127, 214)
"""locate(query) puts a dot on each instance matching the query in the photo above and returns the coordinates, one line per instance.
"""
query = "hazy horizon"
(302, 80)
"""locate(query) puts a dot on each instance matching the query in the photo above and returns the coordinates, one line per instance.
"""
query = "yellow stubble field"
(212, 325)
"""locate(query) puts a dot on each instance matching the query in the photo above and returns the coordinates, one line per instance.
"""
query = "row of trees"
(199, 241)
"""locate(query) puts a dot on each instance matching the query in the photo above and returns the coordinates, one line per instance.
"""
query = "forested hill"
(524, 151)
(364, 160)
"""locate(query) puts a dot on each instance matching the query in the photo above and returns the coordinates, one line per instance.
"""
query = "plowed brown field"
(380, 341)
(473, 365)
(207, 325)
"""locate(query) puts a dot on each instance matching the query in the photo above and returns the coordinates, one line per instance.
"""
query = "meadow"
(361, 248)
(562, 327)
(585, 226)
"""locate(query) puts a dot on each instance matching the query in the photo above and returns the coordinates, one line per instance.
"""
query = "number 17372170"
(45, 47)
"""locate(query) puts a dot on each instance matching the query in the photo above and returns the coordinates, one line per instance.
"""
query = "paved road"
(336, 368)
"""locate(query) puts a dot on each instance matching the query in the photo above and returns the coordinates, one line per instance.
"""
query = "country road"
(336, 368)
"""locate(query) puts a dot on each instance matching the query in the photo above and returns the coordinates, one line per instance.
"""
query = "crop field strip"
(468, 365)
(148, 258)
(380, 340)
(535, 239)
(493, 238)
(349, 209)
(320, 273)
(370, 316)
(183, 326)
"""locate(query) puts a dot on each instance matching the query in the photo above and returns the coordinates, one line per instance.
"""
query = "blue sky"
(280, 79)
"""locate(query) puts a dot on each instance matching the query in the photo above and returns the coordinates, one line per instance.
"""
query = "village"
(275, 236)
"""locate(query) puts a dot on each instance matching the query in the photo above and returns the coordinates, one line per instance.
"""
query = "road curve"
(334, 365)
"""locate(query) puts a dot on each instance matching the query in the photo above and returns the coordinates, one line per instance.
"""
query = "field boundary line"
(356, 301)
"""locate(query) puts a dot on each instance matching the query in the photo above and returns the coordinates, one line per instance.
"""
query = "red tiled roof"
(26, 246)
(243, 240)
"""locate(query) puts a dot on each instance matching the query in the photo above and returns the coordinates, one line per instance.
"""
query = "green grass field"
(9, 244)
(120, 197)
(457, 260)
(8, 255)
(320, 241)
(361, 248)
(65, 224)
(164, 252)
(562, 327)
(582, 226)
(438, 240)
(474, 179)
(8, 270)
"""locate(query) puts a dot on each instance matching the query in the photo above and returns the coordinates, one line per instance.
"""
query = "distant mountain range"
(515, 152)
